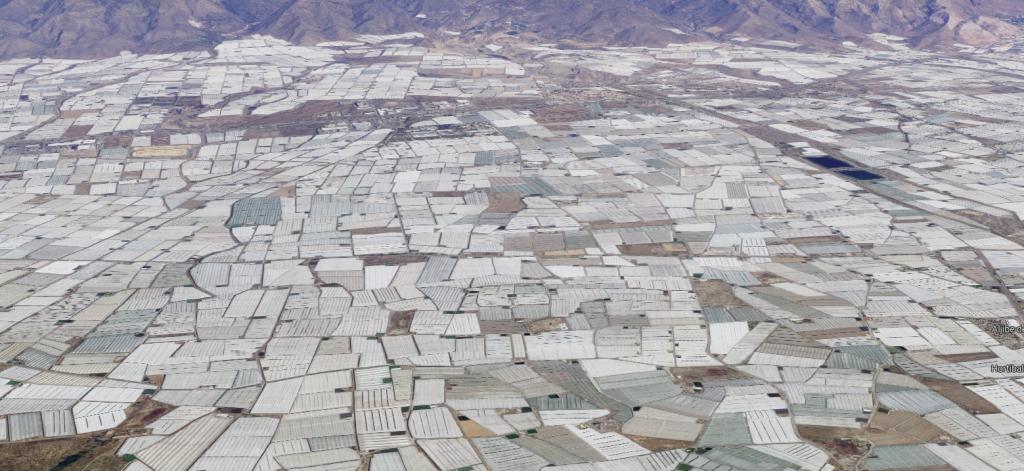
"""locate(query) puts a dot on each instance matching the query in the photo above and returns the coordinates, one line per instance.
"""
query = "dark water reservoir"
(861, 174)
(828, 162)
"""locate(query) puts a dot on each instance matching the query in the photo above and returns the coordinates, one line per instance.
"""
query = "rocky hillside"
(94, 28)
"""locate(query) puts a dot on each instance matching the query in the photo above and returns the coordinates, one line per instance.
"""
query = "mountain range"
(97, 28)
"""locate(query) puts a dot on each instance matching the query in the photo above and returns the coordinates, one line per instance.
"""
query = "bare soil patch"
(716, 293)
(962, 396)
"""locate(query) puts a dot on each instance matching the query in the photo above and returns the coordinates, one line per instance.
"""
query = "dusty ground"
(548, 324)
(393, 259)
(961, 357)
(399, 322)
(686, 376)
(287, 191)
(669, 249)
(659, 444)
(1010, 227)
(769, 278)
(900, 428)
(962, 396)
(845, 445)
(474, 430)
(716, 293)
(504, 203)
(606, 425)
(142, 414)
(979, 275)
(816, 240)
(563, 253)
(79, 453)
(161, 152)
(992, 327)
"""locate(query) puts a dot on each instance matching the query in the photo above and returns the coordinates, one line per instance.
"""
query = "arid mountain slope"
(94, 28)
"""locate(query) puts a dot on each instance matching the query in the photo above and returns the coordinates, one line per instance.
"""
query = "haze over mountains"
(96, 28)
